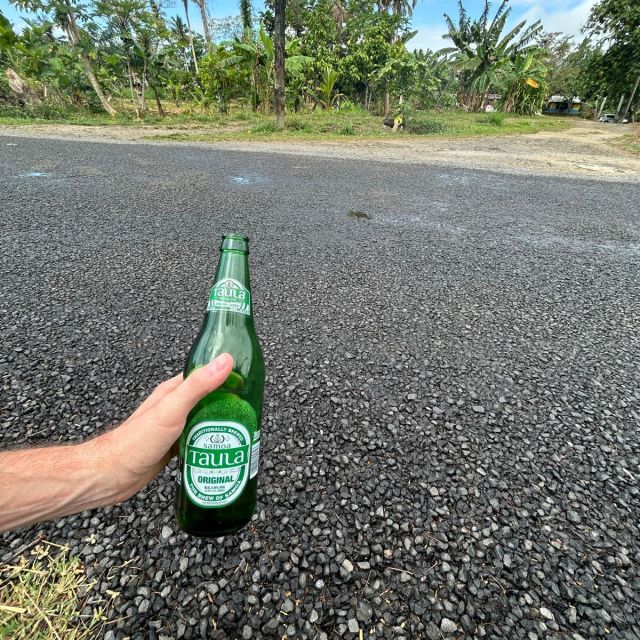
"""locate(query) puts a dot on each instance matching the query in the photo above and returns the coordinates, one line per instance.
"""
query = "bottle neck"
(231, 291)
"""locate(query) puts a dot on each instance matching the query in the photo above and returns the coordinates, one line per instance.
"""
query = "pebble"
(448, 626)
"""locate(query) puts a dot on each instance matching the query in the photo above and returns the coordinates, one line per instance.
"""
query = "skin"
(43, 483)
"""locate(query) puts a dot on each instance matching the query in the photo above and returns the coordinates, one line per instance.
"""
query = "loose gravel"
(451, 443)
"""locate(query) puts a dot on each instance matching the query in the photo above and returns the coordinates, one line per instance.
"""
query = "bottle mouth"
(235, 242)
(235, 236)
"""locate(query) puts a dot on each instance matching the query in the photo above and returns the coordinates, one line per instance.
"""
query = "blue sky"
(567, 16)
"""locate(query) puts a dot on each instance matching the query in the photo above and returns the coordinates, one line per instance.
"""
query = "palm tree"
(398, 8)
(245, 14)
(65, 16)
(279, 57)
(204, 14)
(193, 49)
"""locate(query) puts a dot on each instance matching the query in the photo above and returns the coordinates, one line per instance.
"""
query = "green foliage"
(613, 69)
(495, 119)
(488, 60)
(265, 127)
(425, 126)
(325, 95)
(298, 124)
(340, 54)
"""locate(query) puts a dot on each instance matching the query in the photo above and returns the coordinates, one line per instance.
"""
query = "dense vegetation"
(130, 56)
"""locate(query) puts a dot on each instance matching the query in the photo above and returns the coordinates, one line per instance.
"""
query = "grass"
(630, 142)
(495, 118)
(41, 596)
(242, 124)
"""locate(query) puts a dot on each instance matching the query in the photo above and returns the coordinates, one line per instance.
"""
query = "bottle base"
(210, 533)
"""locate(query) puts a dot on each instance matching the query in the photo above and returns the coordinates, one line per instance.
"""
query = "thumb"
(175, 406)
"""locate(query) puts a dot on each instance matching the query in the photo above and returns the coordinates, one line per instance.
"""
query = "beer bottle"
(219, 449)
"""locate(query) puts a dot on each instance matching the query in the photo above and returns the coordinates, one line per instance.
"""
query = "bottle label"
(217, 461)
(230, 295)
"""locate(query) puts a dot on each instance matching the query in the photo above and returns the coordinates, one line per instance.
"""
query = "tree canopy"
(132, 56)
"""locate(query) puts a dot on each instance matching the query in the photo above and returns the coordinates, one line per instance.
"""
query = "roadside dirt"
(588, 149)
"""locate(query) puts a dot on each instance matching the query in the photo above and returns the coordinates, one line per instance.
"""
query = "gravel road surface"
(451, 442)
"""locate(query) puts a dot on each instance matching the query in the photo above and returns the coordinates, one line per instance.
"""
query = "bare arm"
(43, 483)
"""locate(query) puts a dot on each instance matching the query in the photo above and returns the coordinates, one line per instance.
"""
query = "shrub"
(347, 131)
(423, 127)
(349, 106)
(297, 124)
(495, 119)
(265, 127)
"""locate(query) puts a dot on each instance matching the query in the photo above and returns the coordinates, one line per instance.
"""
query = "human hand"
(131, 455)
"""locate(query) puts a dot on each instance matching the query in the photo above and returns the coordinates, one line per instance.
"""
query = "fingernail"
(219, 363)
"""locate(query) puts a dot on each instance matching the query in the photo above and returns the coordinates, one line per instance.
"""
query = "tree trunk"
(202, 5)
(73, 33)
(387, 103)
(278, 36)
(245, 14)
(86, 65)
(630, 100)
(134, 98)
(143, 81)
(599, 113)
(619, 106)
(255, 95)
(158, 103)
(193, 49)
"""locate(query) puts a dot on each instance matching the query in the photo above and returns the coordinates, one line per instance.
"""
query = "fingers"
(158, 393)
(172, 410)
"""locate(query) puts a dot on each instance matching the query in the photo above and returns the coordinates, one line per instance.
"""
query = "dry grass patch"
(42, 594)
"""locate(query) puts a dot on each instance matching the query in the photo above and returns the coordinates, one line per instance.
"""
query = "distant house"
(563, 106)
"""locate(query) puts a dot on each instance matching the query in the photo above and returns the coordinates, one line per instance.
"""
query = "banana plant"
(481, 49)
(256, 53)
(524, 80)
(325, 95)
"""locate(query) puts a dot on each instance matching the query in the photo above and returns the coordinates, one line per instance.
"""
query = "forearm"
(43, 483)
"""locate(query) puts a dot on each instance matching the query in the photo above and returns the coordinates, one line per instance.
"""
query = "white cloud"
(569, 20)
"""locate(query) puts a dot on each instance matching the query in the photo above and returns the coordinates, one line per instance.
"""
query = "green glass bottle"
(219, 449)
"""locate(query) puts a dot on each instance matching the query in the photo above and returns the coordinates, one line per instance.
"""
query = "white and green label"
(230, 295)
(217, 461)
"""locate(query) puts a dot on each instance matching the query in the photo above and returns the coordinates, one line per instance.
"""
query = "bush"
(424, 127)
(349, 106)
(495, 119)
(347, 131)
(265, 127)
(297, 124)
(243, 115)
(43, 111)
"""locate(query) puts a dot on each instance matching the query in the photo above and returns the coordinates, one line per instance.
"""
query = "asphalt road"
(451, 443)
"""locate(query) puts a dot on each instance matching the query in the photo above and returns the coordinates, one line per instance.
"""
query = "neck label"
(230, 295)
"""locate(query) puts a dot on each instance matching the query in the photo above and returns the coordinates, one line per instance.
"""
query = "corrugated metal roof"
(575, 100)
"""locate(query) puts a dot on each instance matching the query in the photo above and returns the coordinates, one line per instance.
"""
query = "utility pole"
(631, 97)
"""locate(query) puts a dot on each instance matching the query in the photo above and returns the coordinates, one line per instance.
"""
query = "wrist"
(100, 456)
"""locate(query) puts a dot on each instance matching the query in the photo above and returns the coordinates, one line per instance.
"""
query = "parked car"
(610, 117)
